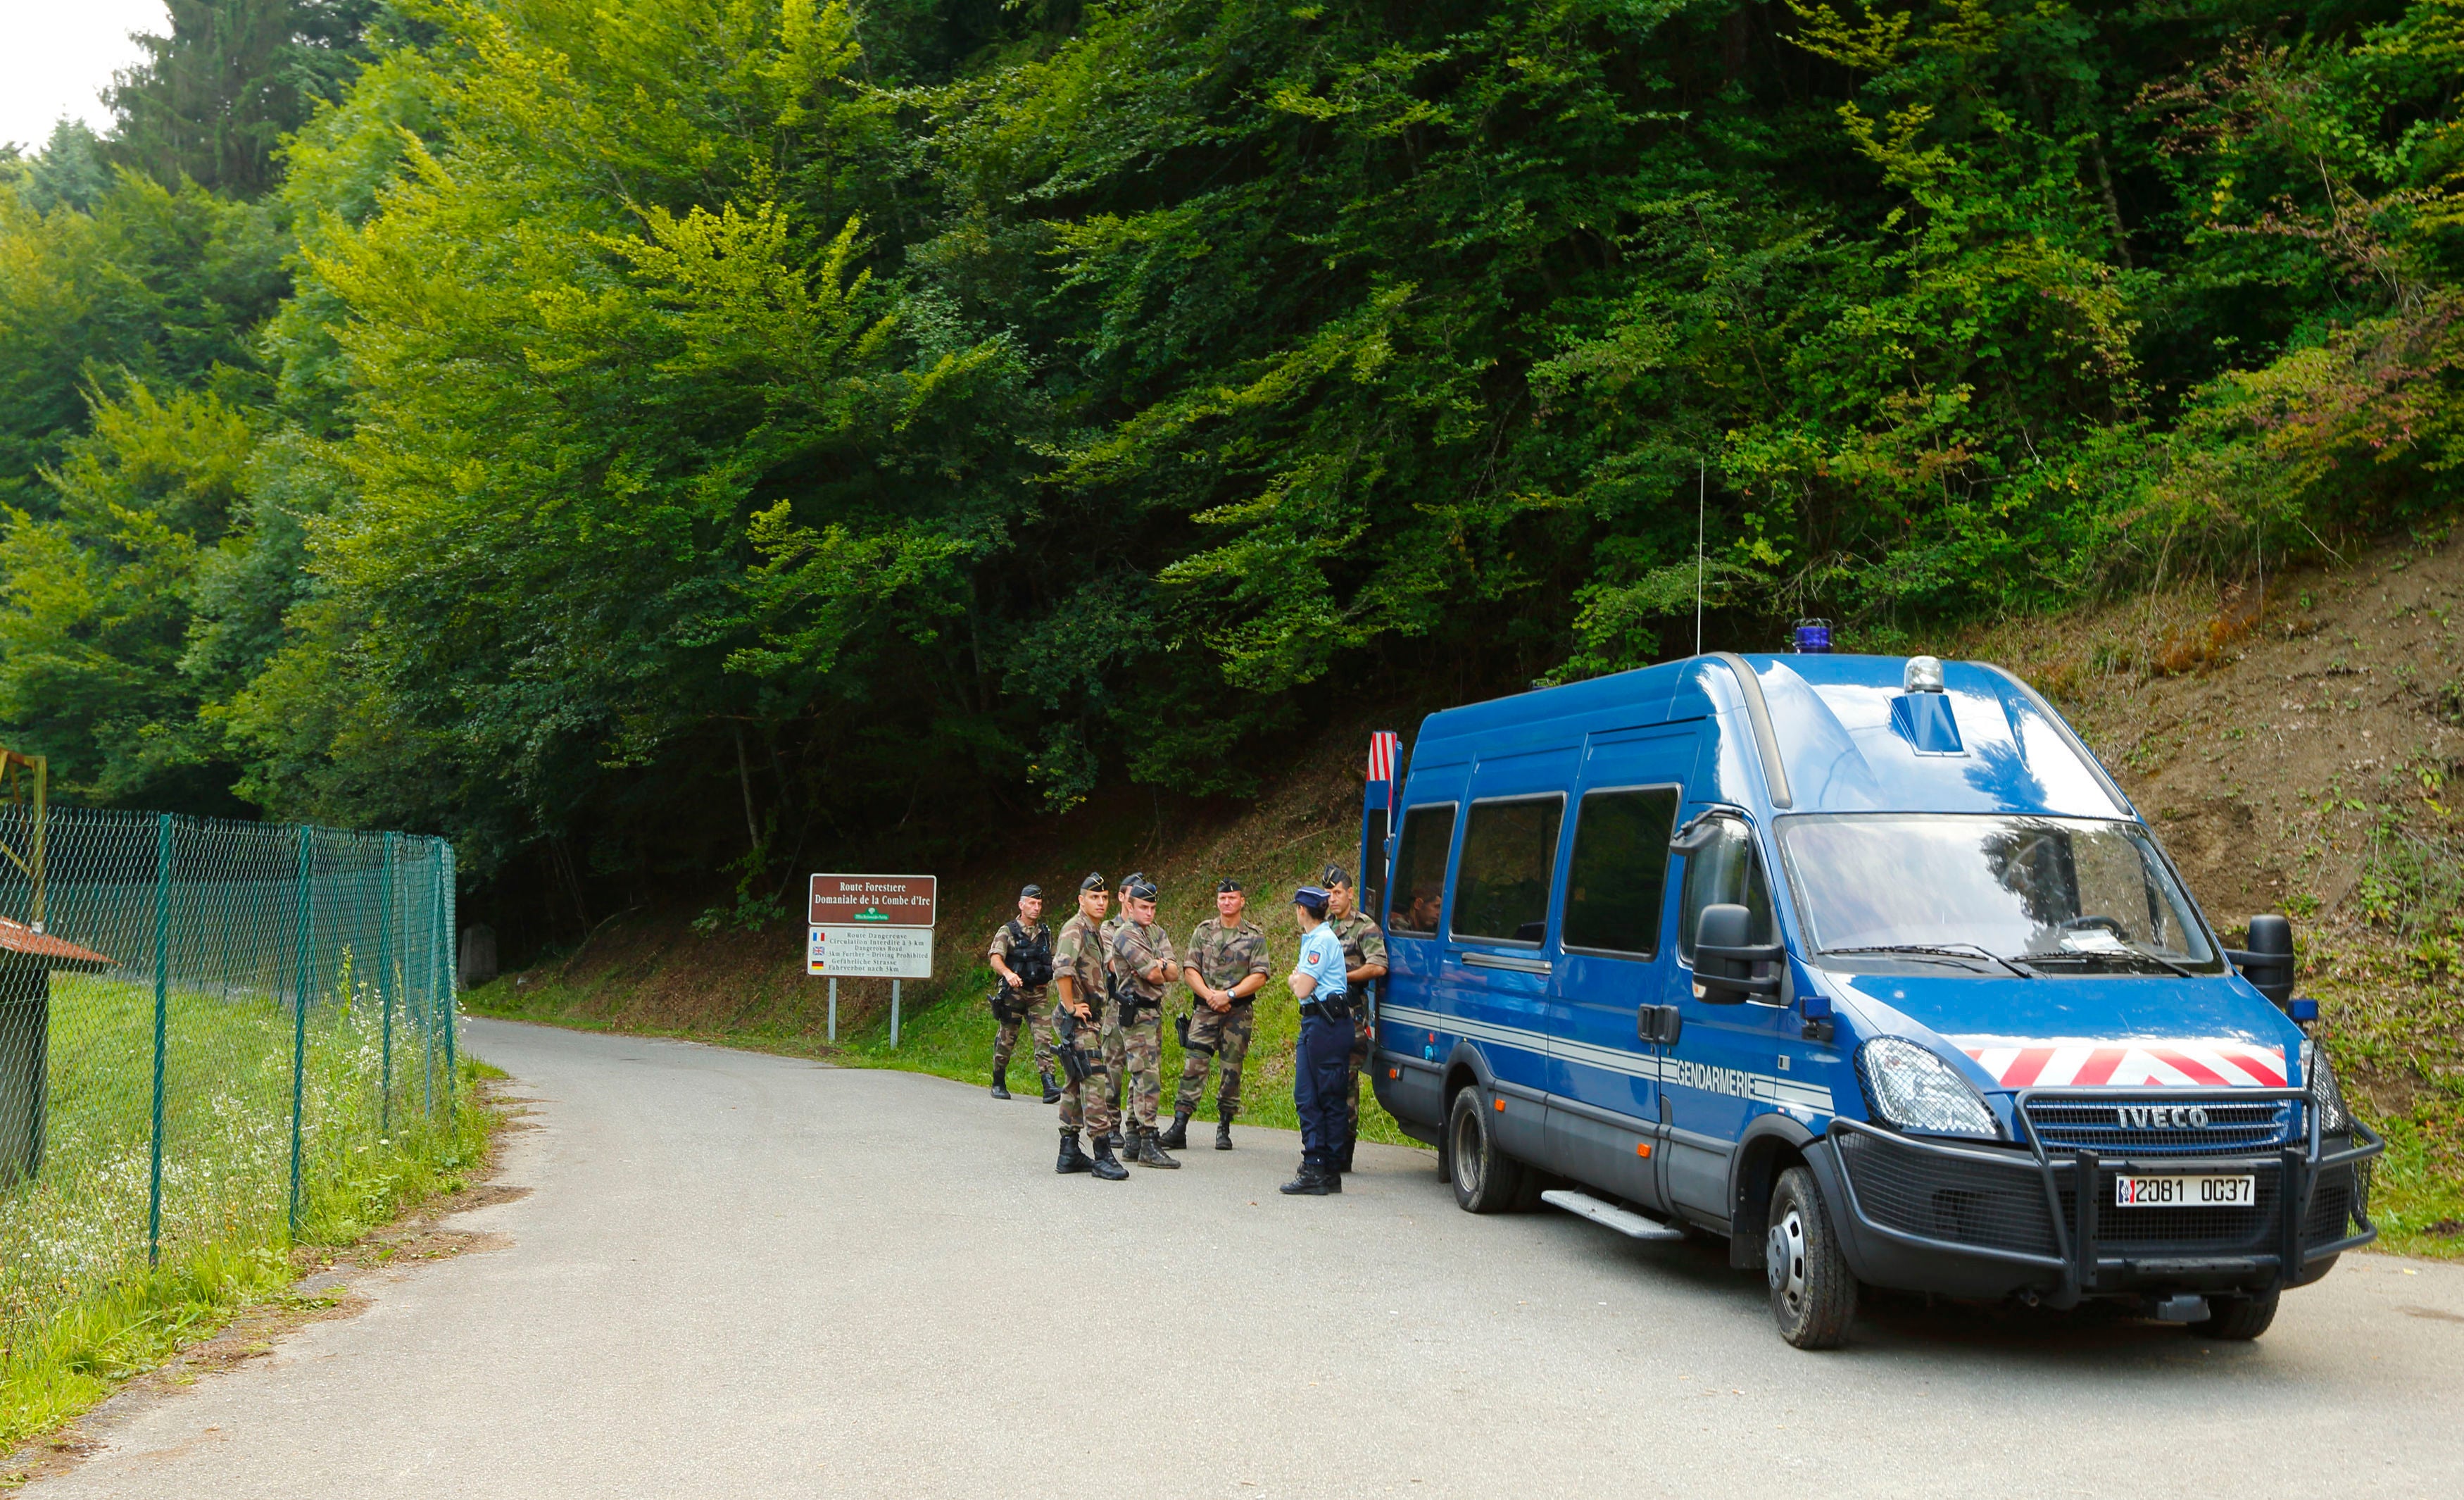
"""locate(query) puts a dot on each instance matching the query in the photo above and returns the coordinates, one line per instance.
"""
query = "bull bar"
(2075, 1259)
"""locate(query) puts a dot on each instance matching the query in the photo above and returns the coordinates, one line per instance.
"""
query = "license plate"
(2185, 1192)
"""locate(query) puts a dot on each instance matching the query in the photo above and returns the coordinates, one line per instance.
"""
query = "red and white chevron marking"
(2188, 1063)
(1381, 755)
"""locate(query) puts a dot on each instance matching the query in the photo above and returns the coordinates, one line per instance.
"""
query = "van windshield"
(2039, 894)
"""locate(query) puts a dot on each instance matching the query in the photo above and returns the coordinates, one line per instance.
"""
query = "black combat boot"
(1001, 1083)
(1104, 1166)
(1311, 1182)
(1073, 1158)
(1146, 1149)
(1116, 1140)
(1051, 1090)
(1223, 1131)
(1176, 1136)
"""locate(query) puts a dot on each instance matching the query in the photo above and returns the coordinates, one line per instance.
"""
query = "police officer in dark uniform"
(1325, 1044)
(1364, 960)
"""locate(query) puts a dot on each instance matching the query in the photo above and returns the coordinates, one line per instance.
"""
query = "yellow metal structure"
(19, 776)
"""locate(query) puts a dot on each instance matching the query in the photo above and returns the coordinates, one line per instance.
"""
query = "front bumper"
(1978, 1221)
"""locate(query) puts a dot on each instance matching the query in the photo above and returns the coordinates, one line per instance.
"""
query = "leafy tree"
(166, 286)
(689, 430)
(217, 94)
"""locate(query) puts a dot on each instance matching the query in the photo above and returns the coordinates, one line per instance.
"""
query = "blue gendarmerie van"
(1868, 965)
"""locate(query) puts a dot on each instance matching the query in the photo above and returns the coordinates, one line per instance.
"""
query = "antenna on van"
(1701, 496)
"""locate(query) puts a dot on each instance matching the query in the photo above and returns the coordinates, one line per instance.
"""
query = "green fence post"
(161, 1027)
(384, 991)
(299, 1017)
(452, 978)
(439, 962)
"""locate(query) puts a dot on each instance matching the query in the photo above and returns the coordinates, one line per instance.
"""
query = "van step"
(1622, 1221)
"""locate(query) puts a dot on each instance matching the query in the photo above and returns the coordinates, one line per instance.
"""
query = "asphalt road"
(746, 1276)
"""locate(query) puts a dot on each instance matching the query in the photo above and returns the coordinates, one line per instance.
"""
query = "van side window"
(1724, 870)
(1421, 869)
(1502, 886)
(1621, 867)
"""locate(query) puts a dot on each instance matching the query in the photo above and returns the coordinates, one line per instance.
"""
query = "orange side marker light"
(1642, 1149)
(1501, 1106)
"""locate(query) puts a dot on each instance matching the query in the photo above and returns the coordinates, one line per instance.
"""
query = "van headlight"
(2325, 1095)
(1913, 1087)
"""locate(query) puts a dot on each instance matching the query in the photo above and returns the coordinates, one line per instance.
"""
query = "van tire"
(1812, 1292)
(1487, 1181)
(2238, 1318)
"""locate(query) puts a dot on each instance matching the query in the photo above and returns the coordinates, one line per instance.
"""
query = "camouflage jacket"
(1079, 954)
(1362, 942)
(1226, 956)
(1005, 943)
(1137, 948)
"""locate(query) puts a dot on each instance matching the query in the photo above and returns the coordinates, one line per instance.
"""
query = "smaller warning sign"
(869, 952)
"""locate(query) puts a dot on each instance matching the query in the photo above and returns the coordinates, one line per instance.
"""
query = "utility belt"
(1126, 1006)
(1339, 1008)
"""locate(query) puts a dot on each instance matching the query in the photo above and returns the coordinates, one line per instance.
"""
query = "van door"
(1723, 1071)
(1498, 954)
(1611, 962)
(1415, 1039)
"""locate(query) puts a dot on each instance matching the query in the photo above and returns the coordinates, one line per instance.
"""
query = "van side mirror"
(1724, 961)
(2268, 962)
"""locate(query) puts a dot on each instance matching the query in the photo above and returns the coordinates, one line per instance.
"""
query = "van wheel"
(1486, 1179)
(2238, 1318)
(1813, 1292)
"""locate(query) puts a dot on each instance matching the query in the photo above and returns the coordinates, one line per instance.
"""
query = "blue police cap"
(1311, 896)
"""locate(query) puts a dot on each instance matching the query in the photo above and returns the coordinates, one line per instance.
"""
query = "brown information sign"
(873, 900)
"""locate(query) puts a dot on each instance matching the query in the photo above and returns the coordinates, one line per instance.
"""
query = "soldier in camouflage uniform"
(1364, 962)
(1143, 969)
(1018, 1002)
(1113, 1057)
(1228, 966)
(1078, 973)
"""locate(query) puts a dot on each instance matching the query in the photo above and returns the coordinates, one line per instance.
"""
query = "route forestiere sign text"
(871, 926)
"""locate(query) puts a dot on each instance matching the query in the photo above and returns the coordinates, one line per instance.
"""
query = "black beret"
(1132, 878)
(1227, 883)
(1036, 892)
(1093, 882)
(1139, 889)
(1335, 875)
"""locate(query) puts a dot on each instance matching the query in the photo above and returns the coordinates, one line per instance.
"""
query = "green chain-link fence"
(264, 1025)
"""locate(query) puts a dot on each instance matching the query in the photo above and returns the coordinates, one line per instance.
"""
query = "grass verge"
(60, 1361)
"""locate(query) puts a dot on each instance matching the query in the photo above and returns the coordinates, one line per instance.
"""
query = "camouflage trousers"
(1035, 1017)
(1089, 1104)
(1113, 1058)
(1142, 1050)
(1221, 1037)
(1354, 1067)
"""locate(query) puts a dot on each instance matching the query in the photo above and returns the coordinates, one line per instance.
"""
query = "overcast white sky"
(57, 56)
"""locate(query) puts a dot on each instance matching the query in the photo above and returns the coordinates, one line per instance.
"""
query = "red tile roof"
(51, 953)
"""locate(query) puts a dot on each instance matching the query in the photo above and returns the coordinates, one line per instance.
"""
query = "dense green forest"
(648, 438)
